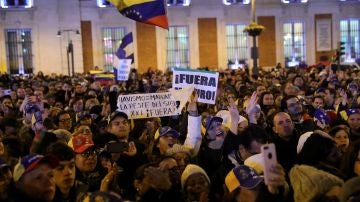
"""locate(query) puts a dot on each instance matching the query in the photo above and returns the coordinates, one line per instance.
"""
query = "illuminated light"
(3, 4)
(100, 4)
(187, 3)
(230, 2)
(30, 4)
(294, 1)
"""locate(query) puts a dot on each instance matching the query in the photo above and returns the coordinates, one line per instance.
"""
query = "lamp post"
(254, 49)
(69, 48)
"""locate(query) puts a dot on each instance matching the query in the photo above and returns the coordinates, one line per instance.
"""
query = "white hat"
(190, 170)
(256, 162)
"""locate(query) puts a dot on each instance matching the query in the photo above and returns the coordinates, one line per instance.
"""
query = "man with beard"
(302, 121)
(284, 139)
(67, 189)
(34, 178)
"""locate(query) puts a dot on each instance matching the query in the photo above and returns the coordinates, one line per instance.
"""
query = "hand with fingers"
(343, 96)
(132, 149)
(278, 179)
(251, 109)
(192, 106)
(109, 178)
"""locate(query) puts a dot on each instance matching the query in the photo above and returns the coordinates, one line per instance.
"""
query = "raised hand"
(192, 106)
(251, 107)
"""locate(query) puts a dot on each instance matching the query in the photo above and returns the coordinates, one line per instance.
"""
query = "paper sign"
(123, 69)
(138, 106)
(205, 83)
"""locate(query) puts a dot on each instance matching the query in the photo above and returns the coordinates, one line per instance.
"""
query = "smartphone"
(269, 155)
(116, 147)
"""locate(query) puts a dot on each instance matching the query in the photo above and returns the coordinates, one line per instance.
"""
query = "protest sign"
(205, 83)
(138, 106)
(123, 69)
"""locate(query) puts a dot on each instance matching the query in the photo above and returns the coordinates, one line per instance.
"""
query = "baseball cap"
(242, 176)
(350, 112)
(118, 114)
(29, 163)
(210, 119)
(166, 130)
(81, 143)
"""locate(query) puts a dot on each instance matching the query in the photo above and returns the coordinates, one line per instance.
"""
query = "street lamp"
(69, 48)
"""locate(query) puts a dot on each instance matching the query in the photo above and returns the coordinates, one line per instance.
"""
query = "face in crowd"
(87, 160)
(294, 106)
(65, 122)
(216, 130)
(120, 127)
(354, 122)
(64, 174)
(38, 183)
(283, 125)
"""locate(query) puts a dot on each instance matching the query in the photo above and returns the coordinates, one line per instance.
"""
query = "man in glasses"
(86, 161)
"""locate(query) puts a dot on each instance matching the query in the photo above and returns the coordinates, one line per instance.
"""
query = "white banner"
(205, 83)
(123, 69)
(138, 106)
(323, 35)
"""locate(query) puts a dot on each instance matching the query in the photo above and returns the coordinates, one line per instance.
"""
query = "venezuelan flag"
(146, 11)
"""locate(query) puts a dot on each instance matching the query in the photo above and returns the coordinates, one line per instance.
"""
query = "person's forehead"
(64, 115)
(42, 168)
(119, 119)
(292, 100)
(64, 163)
(281, 116)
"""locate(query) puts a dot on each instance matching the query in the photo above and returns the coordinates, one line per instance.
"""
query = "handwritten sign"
(138, 106)
(205, 83)
(123, 69)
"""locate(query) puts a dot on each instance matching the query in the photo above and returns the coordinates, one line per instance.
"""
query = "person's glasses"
(65, 120)
(88, 154)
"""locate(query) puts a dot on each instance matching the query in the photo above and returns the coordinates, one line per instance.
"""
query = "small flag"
(145, 11)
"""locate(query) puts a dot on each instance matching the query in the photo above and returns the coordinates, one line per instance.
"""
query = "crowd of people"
(62, 139)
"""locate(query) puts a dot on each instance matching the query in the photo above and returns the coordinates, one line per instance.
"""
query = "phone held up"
(268, 152)
(116, 147)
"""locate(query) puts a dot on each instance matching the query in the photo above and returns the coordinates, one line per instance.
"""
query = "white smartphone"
(269, 155)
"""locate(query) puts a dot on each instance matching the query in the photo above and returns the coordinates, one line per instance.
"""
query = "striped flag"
(123, 50)
(145, 11)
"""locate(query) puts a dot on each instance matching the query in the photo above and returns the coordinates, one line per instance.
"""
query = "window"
(350, 34)
(178, 2)
(103, 3)
(16, 3)
(350, 0)
(178, 47)
(111, 37)
(18, 51)
(294, 43)
(236, 44)
(294, 1)
(231, 2)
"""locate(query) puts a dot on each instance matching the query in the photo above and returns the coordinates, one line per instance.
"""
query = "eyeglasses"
(65, 120)
(88, 154)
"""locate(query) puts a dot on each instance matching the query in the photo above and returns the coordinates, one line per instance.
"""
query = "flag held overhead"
(145, 11)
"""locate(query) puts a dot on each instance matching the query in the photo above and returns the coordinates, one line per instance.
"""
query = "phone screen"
(116, 147)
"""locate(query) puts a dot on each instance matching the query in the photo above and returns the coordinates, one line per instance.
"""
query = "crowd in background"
(62, 139)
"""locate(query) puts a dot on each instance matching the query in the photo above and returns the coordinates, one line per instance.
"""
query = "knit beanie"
(190, 170)
(309, 182)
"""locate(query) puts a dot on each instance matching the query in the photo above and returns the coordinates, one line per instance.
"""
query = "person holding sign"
(131, 157)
